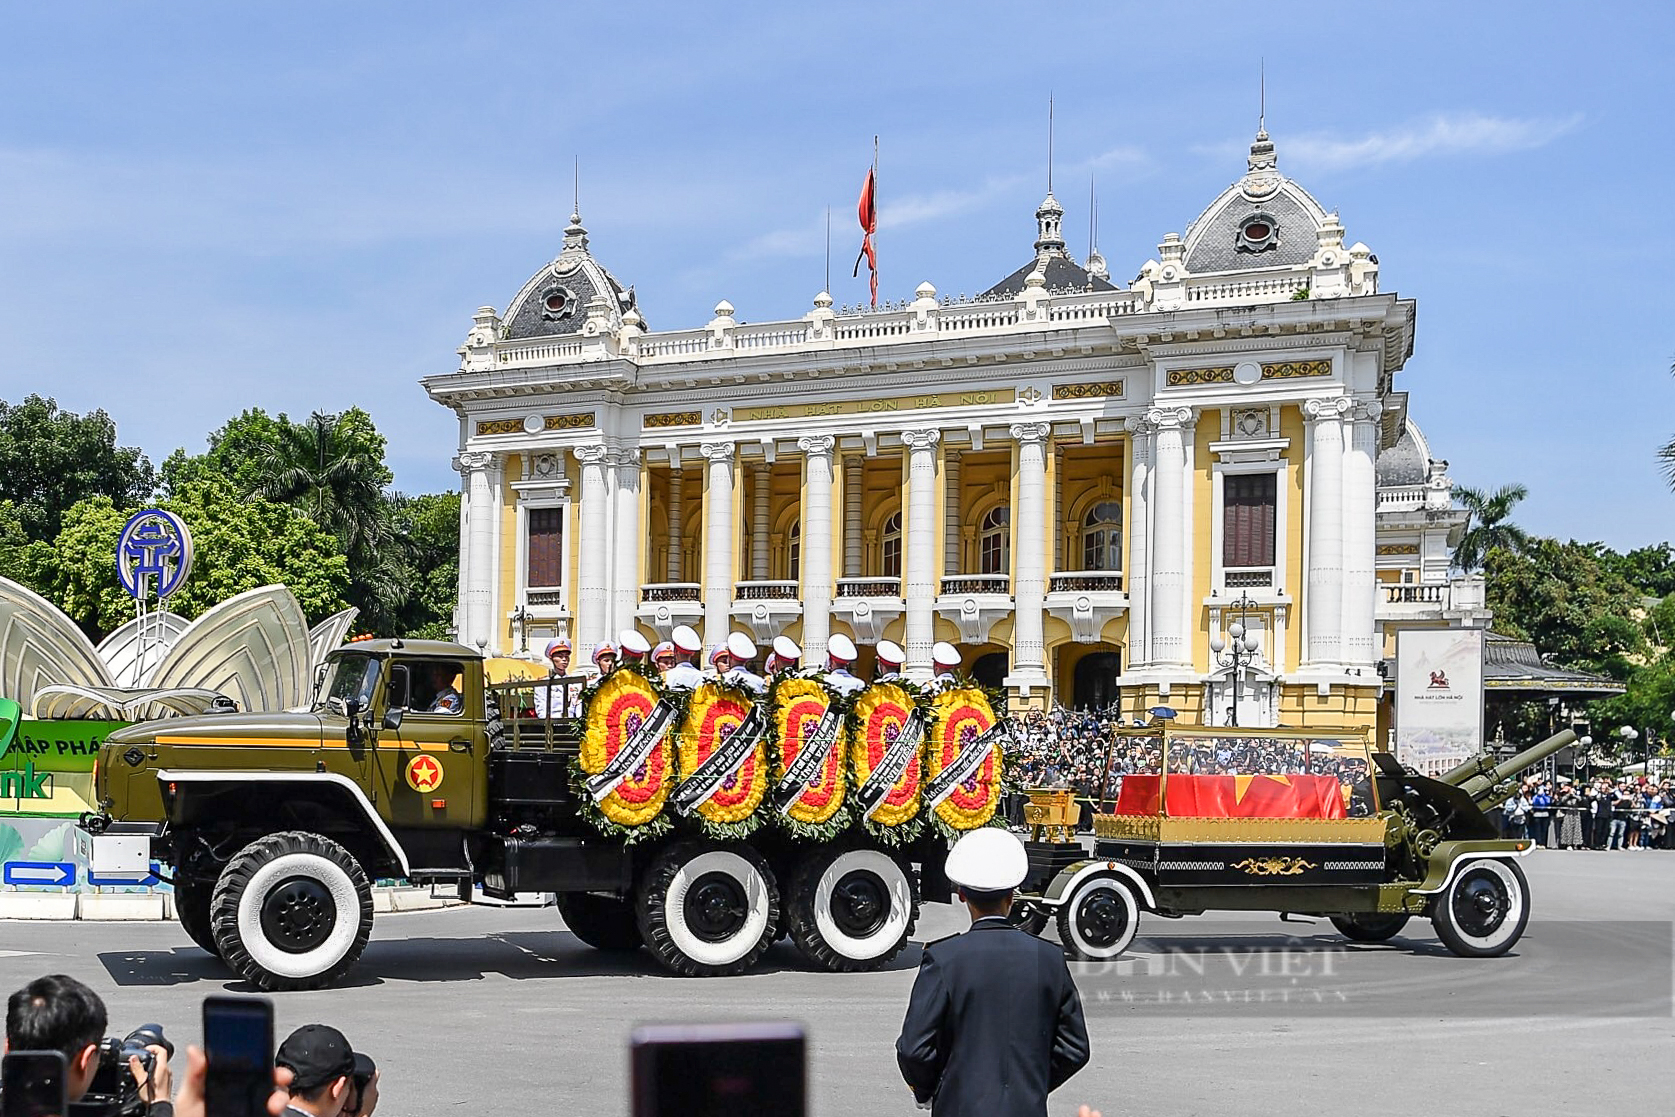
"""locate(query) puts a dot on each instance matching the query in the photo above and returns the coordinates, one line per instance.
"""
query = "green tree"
(1488, 525)
(238, 451)
(240, 544)
(430, 525)
(332, 469)
(1666, 454)
(1649, 569)
(1570, 602)
(50, 459)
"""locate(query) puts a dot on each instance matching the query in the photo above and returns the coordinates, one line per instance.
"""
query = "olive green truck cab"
(273, 826)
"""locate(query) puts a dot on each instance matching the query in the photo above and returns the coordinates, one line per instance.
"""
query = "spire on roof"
(1049, 237)
(575, 236)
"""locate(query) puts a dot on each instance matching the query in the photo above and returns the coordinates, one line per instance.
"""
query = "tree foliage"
(1489, 525)
(50, 459)
(1567, 600)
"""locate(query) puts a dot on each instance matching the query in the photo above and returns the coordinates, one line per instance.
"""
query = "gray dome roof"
(1408, 462)
(554, 302)
(1262, 221)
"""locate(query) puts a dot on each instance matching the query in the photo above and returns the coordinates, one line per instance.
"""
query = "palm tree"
(333, 477)
(1666, 454)
(1488, 524)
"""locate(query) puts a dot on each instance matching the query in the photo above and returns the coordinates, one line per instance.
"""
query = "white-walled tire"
(292, 911)
(1484, 909)
(708, 910)
(851, 909)
(1099, 918)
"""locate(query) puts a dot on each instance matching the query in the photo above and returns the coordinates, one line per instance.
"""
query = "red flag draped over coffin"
(1297, 795)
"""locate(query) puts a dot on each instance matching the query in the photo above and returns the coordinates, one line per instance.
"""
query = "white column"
(592, 573)
(951, 515)
(919, 558)
(817, 545)
(629, 534)
(1360, 498)
(759, 522)
(718, 542)
(478, 627)
(1171, 534)
(1323, 600)
(852, 497)
(1029, 559)
(672, 564)
(1137, 572)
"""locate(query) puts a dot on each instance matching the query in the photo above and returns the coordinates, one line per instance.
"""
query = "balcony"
(976, 603)
(663, 605)
(1086, 600)
(869, 605)
(1248, 578)
(1461, 602)
(1415, 595)
(766, 607)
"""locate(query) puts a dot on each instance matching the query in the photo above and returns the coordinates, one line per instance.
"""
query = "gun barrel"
(1478, 778)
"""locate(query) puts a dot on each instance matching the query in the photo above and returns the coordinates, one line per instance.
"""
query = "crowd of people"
(1602, 813)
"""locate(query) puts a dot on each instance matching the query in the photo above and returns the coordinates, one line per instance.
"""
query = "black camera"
(113, 1091)
(362, 1077)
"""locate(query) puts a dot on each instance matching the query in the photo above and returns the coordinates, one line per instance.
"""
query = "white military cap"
(988, 859)
(890, 652)
(740, 647)
(786, 648)
(841, 648)
(686, 639)
(944, 654)
(633, 643)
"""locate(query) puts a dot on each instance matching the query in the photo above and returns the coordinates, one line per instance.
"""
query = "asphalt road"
(468, 1009)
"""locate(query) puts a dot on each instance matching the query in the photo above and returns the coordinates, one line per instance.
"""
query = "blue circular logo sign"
(153, 554)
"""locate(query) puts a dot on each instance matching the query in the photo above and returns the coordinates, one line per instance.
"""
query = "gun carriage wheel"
(851, 909)
(1484, 909)
(292, 910)
(1030, 916)
(1370, 926)
(1099, 917)
(708, 909)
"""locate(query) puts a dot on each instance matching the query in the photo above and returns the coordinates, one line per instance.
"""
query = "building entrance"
(1094, 684)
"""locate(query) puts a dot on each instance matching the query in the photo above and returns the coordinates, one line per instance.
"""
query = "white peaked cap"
(786, 648)
(944, 654)
(890, 652)
(841, 648)
(740, 647)
(686, 638)
(633, 643)
(988, 859)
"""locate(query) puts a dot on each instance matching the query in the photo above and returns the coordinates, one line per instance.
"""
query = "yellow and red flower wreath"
(618, 707)
(880, 713)
(799, 704)
(958, 716)
(713, 714)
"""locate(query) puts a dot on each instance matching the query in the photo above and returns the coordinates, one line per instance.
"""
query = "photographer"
(328, 1079)
(59, 1013)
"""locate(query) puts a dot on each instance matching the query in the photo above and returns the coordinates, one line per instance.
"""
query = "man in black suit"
(994, 1023)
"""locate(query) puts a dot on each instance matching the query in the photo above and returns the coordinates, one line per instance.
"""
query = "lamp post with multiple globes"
(1237, 649)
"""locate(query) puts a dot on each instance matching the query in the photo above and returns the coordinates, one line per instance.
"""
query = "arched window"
(994, 541)
(1102, 537)
(794, 553)
(890, 547)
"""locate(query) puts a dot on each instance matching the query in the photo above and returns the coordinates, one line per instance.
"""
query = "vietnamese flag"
(867, 211)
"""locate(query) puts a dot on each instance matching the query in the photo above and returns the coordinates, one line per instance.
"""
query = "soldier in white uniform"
(605, 657)
(840, 656)
(684, 675)
(551, 700)
(784, 657)
(741, 651)
(890, 659)
(946, 658)
(634, 647)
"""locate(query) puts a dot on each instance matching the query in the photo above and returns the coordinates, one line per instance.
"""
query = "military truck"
(1304, 822)
(409, 766)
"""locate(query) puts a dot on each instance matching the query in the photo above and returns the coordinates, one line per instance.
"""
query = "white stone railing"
(977, 583)
(1086, 581)
(1264, 289)
(869, 587)
(671, 591)
(1395, 497)
(538, 353)
(765, 591)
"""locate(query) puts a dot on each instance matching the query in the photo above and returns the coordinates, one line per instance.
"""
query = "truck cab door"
(430, 758)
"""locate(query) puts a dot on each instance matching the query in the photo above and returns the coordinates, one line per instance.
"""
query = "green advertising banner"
(46, 770)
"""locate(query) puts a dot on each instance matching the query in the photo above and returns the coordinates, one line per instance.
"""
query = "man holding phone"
(59, 1013)
(329, 1078)
(994, 1022)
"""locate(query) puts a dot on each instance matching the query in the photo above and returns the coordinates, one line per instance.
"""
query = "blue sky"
(297, 206)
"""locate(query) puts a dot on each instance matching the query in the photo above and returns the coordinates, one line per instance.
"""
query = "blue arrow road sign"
(59, 873)
(132, 880)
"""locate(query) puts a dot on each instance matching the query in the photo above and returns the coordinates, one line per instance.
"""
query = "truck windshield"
(349, 678)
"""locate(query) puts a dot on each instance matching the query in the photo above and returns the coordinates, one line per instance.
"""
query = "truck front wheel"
(292, 911)
(851, 909)
(707, 909)
(602, 922)
(191, 906)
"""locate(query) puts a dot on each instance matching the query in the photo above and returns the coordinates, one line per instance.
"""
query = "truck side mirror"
(392, 718)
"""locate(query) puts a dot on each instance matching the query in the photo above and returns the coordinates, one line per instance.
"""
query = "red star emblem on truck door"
(424, 773)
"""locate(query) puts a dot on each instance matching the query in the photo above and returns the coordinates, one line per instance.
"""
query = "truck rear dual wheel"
(708, 909)
(292, 911)
(602, 922)
(1099, 918)
(191, 906)
(851, 909)
(1484, 909)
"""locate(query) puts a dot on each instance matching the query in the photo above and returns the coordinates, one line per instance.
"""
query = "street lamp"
(1628, 733)
(1237, 650)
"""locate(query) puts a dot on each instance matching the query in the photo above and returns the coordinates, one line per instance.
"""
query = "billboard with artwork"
(1439, 697)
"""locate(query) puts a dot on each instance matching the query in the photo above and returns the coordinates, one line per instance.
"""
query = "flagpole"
(875, 208)
(828, 287)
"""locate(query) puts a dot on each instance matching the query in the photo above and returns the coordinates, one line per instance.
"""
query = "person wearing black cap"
(328, 1078)
(994, 1022)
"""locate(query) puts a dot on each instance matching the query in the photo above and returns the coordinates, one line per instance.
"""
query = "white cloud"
(1444, 134)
